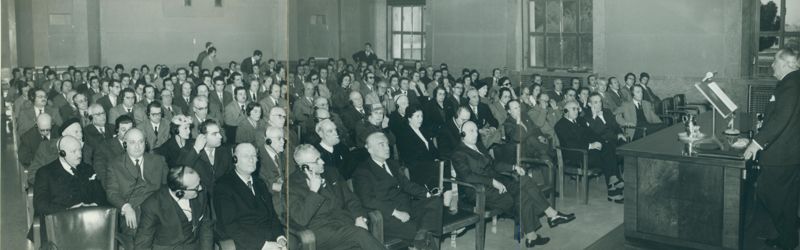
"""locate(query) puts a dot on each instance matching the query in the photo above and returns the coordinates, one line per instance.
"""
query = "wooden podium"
(683, 201)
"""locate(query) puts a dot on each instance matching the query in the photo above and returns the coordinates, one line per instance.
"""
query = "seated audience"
(411, 211)
(417, 150)
(26, 117)
(132, 178)
(244, 207)
(180, 129)
(322, 202)
(274, 170)
(128, 98)
(155, 131)
(521, 197)
(521, 131)
(602, 122)
(112, 147)
(29, 141)
(97, 131)
(161, 226)
(375, 122)
(450, 137)
(332, 151)
(574, 132)
(251, 130)
(208, 155)
(48, 152)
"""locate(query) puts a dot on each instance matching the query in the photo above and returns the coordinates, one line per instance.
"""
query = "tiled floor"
(593, 221)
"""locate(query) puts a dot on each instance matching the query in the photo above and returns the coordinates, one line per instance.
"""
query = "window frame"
(781, 34)
(391, 32)
(562, 35)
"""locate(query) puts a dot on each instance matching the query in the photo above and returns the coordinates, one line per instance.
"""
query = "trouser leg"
(778, 189)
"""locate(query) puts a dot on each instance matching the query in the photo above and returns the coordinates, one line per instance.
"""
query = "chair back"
(83, 228)
(679, 100)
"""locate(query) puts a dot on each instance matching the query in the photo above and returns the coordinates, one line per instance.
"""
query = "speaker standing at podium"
(778, 139)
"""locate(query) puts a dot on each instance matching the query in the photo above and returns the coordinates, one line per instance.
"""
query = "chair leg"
(494, 224)
(585, 185)
(453, 240)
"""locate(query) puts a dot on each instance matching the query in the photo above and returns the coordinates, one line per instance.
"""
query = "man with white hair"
(331, 150)
(30, 140)
(374, 123)
(321, 201)
(97, 130)
(274, 168)
(779, 181)
(132, 178)
(47, 152)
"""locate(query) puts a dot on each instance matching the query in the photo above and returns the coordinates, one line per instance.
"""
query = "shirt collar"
(141, 160)
(244, 179)
(326, 147)
(65, 165)
(380, 164)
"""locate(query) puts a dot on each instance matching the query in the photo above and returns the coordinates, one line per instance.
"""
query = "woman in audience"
(435, 112)
(398, 117)
(180, 129)
(630, 80)
(416, 149)
(252, 129)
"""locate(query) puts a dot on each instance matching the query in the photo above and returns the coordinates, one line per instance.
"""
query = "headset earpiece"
(463, 134)
(268, 141)
(305, 167)
(235, 159)
(61, 152)
(125, 145)
(179, 194)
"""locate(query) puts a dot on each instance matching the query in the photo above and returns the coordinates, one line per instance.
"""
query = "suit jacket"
(779, 135)
(59, 101)
(268, 102)
(233, 114)
(498, 111)
(118, 111)
(448, 139)
(163, 224)
(477, 168)
(451, 104)
(184, 106)
(249, 219)
(270, 170)
(558, 96)
(339, 159)
(247, 65)
(626, 115)
(362, 56)
(575, 135)
(545, 118)
(29, 143)
(171, 151)
(48, 152)
(68, 112)
(155, 138)
(26, 118)
(57, 190)
(484, 118)
(650, 96)
(125, 185)
(413, 150)
(379, 190)
(612, 100)
(111, 149)
(93, 137)
(246, 132)
(209, 173)
(332, 207)
(303, 111)
(105, 101)
(364, 129)
(607, 127)
(435, 117)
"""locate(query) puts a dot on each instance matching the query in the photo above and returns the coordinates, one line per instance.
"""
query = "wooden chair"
(94, 227)
(666, 113)
(578, 169)
(466, 215)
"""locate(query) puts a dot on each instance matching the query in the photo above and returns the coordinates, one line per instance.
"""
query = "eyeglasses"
(101, 113)
(199, 188)
(156, 114)
(44, 130)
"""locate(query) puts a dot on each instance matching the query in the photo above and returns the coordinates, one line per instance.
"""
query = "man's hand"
(314, 182)
(271, 245)
(622, 137)
(542, 139)
(520, 171)
(77, 205)
(130, 215)
(499, 186)
(362, 222)
(595, 145)
(400, 215)
(200, 142)
(750, 152)
(277, 186)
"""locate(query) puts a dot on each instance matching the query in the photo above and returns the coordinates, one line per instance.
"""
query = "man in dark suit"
(411, 212)
(322, 202)
(573, 132)
(779, 181)
(177, 216)
(601, 121)
(183, 99)
(244, 206)
(132, 178)
(480, 113)
(247, 63)
(30, 140)
(110, 100)
(97, 130)
(26, 118)
(521, 197)
(354, 114)
(48, 152)
(366, 55)
(126, 107)
(274, 169)
(450, 137)
(557, 93)
(112, 147)
(613, 97)
(156, 132)
(209, 156)
(332, 151)
(67, 182)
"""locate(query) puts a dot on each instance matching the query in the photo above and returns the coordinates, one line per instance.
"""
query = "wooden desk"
(683, 201)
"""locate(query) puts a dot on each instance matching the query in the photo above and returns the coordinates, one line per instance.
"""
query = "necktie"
(637, 105)
(250, 185)
(74, 170)
(44, 138)
(242, 105)
(155, 129)
(102, 130)
(211, 157)
(129, 110)
(254, 96)
(387, 169)
(138, 168)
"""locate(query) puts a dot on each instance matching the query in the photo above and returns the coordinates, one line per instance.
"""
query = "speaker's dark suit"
(779, 181)
(379, 190)
(248, 219)
(209, 173)
(330, 212)
(163, 224)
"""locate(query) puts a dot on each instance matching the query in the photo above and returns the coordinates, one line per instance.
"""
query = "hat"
(181, 120)
(67, 124)
(479, 84)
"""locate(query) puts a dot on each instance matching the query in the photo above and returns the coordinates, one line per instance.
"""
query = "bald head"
(245, 158)
(134, 143)
(470, 133)
(44, 121)
(72, 150)
(378, 146)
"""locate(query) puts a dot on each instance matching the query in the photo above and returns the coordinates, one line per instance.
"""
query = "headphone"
(61, 152)
(461, 131)
(268, 141)
(174, 181)
(235, 159)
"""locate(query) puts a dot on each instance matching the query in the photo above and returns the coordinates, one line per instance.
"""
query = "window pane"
(416, 19)
(412, 46)
(768, 46)
(770, 15)
(537, 51)
(537, 16)
(792, 15)
(554, 52)
(396, 18)
(570, 50)
(585, 16)
(407, 18)
(397, 44)
(585, 51)
(553, 17)
(570, 16)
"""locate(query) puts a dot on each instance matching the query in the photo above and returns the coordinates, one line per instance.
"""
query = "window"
(407, 37)
(778, 27)
(559, 34)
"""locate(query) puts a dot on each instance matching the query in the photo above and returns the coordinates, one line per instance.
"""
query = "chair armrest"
(307, 238)
(480, 194)
(376, 224)
(37, 233)
(227, 245)
(579, 150)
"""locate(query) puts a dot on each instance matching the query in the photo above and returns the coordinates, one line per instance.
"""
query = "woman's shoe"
(538, 241)
(619, 199)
